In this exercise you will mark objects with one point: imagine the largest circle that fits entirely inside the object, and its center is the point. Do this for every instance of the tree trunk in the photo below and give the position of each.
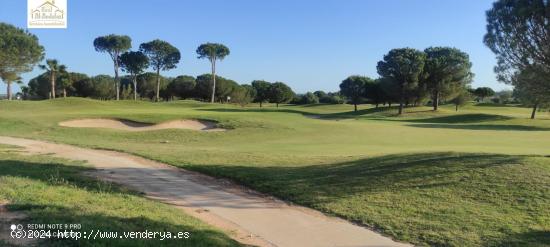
(135, 87)
(8, 90)
(260, 104)
(355, 107)
(436, 100)
(456, 109)
(213, 61)
(389, 105)
(376, 105)
(64, 93)
(401, 99)
(158, 85)
(534, 111)
(117, 86)
(277, 105)
(52, 79)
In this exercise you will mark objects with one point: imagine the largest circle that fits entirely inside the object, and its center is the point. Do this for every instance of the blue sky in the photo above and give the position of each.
(309, 45)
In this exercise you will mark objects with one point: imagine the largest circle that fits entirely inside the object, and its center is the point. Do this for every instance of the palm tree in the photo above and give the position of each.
(65, 80)
(213, 52)
(9, 78)
(53, 67)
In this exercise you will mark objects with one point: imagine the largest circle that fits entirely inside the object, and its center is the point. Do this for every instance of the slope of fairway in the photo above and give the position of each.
(50, 190)
(476, 177)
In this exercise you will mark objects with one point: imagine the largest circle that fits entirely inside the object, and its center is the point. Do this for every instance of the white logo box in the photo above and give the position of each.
(46, 13)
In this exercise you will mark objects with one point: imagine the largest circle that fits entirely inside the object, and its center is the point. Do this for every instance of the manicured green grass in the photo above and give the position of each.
(468, 178)
(53, 191)
(438, 199)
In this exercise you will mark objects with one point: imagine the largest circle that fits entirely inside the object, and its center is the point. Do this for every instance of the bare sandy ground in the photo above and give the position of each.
(248, 216)
(128, 125)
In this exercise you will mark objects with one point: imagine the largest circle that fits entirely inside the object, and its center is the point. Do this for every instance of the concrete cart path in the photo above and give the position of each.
(255, 218)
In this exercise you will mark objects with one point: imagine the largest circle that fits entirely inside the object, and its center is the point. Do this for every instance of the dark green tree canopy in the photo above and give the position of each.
(98, 87)
(518, 33)
(531, 88)
(320, 94)
(375, 93)
(262, 90)
(162, 55)
(483, 92)
(446, 72)
(53, 66)
(224, 87)
(404, 66)
(113, 44)
(243, 94)
(182, 86)
(279, 93)
(19, 50)
(133, 62)
(354, 88)
(307, 98)
(147, 84)
(39, 86)
(445, 68)
(461, 98)
(212, 51)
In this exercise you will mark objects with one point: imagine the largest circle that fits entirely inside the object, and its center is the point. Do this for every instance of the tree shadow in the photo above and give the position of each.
(404, 188)
(501, 127)
(462, 118)
(58, 174)
(93, 221)
(327, 116)
(264, 109)
(493, 105)
(333, 181)
(533, 238)
(114, 217)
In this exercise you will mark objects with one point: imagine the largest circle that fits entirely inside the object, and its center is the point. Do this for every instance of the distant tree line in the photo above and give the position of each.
(408, 77)
(144, 86)
(412, 77)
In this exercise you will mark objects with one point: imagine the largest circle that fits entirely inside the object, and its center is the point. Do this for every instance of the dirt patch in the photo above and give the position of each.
(121, 124)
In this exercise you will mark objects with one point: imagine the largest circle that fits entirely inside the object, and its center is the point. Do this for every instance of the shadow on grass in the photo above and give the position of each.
(329, 116)
(494, 105)
(462, 118)
(333, 181)
(503, 127)
(57, 174)
(389, 192)
(536, 238)
(96, 216)
(468, 121)
(103, 224)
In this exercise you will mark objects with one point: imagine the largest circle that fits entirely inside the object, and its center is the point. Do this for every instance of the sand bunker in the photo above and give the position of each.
(121, 124)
